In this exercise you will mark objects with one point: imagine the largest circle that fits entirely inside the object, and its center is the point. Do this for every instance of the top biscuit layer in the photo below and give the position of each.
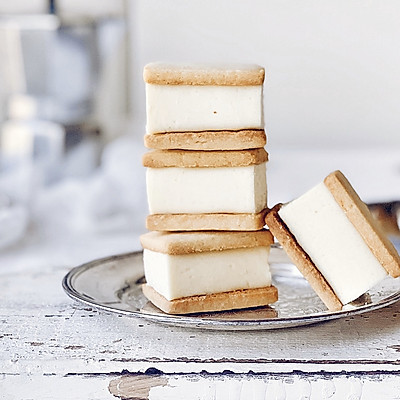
(198, 242)
(204, 75)
(361, 218)
(204, 159)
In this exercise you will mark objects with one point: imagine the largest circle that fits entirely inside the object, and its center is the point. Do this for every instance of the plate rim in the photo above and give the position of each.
(190, 322)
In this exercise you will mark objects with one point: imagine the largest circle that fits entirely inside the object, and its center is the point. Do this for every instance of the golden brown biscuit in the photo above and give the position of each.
(204, 159)
(213, 302)
(206, 222)
(204, 75)
(198, 242)
(207, 140)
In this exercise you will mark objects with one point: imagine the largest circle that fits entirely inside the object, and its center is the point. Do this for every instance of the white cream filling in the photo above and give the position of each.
(178, 108)
(207, 190)
(176, 276)
(333, 243)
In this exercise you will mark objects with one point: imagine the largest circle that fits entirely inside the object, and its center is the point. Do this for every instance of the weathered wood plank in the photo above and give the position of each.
(54, 387)
(366, 386)
(257, 387)
(43, 331)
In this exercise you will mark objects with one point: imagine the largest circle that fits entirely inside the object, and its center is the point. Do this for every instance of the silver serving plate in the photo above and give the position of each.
(113, 284)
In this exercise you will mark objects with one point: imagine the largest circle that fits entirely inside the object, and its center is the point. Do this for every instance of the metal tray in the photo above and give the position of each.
(114, 283)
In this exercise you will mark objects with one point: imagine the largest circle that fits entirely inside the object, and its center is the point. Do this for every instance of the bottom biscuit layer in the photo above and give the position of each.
(236, 299)
(207, 140)
(206, 222)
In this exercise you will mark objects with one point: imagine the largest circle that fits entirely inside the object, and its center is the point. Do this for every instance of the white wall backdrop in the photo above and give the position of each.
(332, 67)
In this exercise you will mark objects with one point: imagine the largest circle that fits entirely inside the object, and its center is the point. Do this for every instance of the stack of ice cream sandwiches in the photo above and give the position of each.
(206, 187)
(206, 184)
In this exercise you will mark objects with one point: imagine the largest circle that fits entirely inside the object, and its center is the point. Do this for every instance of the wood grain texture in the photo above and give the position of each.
(136, 386)
(44, 332)
(257, 387)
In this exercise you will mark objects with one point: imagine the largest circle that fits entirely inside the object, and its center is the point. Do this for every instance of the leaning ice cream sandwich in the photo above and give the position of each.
(332, 238)
(204, 107)
(206, 190)
(207, 271)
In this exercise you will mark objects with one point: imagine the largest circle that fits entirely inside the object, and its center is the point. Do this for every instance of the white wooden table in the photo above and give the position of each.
(55, 348)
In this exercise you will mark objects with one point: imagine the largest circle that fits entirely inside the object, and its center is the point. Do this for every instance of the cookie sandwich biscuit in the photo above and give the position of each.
(207, 140)
(195, 272)
(199, 190)
(333, 240)
(220, 106)
(206, 222)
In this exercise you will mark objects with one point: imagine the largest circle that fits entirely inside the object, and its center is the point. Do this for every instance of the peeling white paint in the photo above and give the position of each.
(230, 387)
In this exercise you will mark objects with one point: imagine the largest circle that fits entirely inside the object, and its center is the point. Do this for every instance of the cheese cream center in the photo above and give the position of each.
(180, 108)
(176, 276)
(207, 190)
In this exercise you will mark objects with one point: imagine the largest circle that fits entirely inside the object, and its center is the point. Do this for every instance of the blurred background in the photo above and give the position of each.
(72, 104)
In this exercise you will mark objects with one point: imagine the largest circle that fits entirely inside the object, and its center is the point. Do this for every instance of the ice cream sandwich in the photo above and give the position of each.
(207, 271)
(332, 238)
(206, 190)
(204, 107)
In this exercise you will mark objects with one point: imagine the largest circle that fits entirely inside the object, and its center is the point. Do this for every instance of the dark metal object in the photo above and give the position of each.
(387, 215)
